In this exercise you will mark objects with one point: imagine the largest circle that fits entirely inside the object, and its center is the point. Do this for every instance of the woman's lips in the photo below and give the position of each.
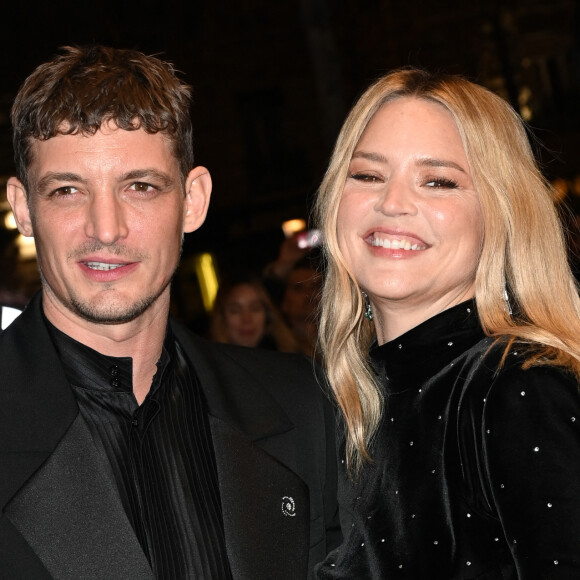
(396, 241)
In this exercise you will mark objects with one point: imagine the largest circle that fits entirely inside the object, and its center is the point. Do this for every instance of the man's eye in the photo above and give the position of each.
(142, 187)
(65, 191)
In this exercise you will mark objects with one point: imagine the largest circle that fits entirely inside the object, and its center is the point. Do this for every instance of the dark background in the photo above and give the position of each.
(273, 81)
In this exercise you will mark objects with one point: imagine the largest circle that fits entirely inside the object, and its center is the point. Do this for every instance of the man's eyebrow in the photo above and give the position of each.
(55, 176)
(137, 174)
(66, 176)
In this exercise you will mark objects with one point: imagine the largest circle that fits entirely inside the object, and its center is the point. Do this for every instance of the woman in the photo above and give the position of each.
(243, 314)
(460, 456)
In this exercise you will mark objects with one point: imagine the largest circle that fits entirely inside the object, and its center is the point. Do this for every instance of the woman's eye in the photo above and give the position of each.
(441, 183)
(365, 177)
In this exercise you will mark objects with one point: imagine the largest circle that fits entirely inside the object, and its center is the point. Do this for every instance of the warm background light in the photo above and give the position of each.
(9, 221)
(26, 247)
(207, 277)
(290, 227)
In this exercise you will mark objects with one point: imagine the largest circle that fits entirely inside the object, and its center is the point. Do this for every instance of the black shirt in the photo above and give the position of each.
(161, 455)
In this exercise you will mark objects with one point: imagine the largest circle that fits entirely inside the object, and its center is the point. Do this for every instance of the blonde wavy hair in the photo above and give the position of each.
(523, 252)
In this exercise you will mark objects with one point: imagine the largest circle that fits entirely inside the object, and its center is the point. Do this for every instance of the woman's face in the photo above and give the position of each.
(409, 221)
(244, 315)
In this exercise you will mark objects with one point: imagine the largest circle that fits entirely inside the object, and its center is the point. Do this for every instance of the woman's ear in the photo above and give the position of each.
(197, 196)
(18, 200)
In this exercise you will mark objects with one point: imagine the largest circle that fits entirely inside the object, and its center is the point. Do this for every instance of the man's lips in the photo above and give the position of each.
(105, 270)
(104, 266)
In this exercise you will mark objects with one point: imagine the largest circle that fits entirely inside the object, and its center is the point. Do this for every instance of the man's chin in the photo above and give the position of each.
(110, 313)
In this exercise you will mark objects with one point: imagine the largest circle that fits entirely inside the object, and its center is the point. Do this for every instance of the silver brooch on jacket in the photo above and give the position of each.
(288, 506)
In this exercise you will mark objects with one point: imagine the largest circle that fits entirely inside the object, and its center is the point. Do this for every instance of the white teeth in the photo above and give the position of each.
(396, 244)
(102, 266)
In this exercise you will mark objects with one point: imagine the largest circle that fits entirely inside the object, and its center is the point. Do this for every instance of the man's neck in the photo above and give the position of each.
(141, 339)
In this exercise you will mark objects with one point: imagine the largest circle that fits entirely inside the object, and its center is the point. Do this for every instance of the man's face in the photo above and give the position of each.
(108, 213)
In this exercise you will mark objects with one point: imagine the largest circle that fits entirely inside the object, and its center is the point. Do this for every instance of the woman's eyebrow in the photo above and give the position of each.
(431, 162)
(371, 156)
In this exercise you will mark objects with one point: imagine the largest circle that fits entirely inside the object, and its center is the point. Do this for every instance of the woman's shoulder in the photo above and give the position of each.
(532, 396)
(504, 396)
(507, 395)
(512, 419)
(515, 380)
(495, 372)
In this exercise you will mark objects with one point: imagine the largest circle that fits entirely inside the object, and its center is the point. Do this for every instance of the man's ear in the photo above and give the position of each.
(18, 200)
(197, 195)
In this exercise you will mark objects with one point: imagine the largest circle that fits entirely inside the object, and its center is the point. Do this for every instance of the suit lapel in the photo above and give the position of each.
(36, 404)
(72, 501)
(265, 508)
(54, 486)
(233, 394)
(265, 504)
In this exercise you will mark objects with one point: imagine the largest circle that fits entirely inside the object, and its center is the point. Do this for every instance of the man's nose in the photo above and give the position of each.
(106, 219)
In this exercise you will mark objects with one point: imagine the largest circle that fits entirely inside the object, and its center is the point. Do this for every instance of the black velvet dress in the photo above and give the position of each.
(476, 473)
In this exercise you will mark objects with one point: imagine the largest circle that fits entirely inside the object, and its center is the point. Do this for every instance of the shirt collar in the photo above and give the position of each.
(90, 369)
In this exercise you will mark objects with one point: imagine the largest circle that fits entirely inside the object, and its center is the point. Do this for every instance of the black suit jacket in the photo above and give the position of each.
(272, 432)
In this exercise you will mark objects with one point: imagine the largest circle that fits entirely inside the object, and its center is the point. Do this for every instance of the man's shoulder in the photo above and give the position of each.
(293, 380)
(266, 362)
(252, 384)
(288, 364)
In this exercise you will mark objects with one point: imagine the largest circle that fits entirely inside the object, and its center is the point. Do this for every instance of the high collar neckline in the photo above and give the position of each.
(428, 347)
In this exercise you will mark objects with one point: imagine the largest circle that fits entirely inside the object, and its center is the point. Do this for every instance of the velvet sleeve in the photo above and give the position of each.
(532, 454)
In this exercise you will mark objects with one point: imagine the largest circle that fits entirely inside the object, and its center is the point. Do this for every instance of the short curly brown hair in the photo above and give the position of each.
(83, 87)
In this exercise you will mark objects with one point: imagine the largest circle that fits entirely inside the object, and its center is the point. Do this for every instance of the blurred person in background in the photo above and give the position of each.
(294, 282)
(244, 314)
(300, 302)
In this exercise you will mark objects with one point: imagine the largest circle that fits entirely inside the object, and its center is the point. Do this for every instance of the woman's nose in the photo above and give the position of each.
(397, 198)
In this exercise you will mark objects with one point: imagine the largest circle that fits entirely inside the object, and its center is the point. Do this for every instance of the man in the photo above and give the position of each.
(130, 448)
